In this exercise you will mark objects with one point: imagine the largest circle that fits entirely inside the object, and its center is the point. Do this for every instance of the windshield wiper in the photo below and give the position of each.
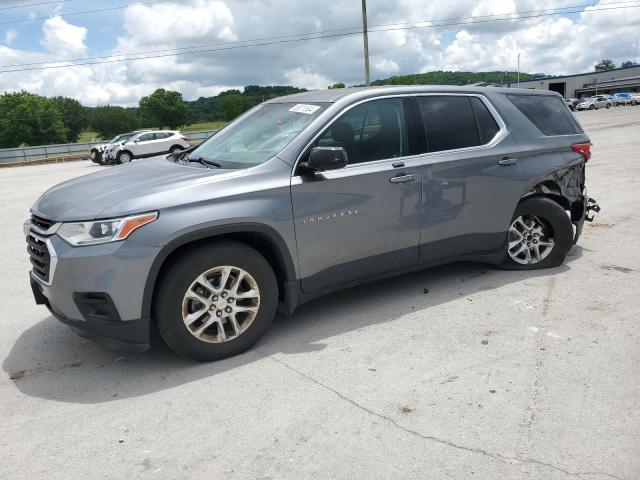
(204, 161)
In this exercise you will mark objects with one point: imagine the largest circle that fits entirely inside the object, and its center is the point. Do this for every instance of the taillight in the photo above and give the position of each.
(184, 138)
(583, 149)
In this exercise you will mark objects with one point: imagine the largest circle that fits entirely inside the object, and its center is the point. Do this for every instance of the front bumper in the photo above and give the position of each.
(131, 336)
(97, 290)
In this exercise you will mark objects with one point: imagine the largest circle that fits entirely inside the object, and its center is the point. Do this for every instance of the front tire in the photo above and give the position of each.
(540, 235)
(608, 106)
(124, 157)
(215, 301)
(592, 107)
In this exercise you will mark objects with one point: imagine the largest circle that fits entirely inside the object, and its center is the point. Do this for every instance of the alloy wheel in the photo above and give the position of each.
(220, 304)
(530, 240)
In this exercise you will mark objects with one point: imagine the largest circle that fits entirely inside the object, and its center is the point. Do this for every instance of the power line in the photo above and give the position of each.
(84, 12)
(352, 30)
(313, 36)
(27, 5)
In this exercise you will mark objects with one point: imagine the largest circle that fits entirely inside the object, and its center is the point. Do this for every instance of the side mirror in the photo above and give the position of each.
(326, 158)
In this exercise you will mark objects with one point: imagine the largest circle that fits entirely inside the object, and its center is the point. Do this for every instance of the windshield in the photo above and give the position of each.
(259, 135)
(121, 138)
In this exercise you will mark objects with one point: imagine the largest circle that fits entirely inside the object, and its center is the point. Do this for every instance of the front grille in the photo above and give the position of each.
(39, 256)
(41, 223)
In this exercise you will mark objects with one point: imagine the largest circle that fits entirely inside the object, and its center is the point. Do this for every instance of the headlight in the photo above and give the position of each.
(103, 231)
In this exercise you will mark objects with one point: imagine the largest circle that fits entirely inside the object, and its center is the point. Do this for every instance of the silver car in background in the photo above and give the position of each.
(595, 102)
(97, 151)
(147, 144)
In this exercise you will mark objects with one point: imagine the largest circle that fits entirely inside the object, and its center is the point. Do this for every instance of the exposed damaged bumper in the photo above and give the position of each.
(589, 208)
(592, 206)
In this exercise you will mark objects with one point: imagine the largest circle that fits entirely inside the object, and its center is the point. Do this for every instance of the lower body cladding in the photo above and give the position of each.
(98, 290)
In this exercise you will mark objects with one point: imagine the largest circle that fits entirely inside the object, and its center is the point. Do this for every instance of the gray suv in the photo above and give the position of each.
(303, 195)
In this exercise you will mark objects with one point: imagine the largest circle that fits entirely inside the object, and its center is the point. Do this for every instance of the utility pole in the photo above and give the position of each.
(365, 34)
(518, 69)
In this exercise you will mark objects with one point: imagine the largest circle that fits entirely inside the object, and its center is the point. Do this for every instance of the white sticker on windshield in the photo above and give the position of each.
(304, 108)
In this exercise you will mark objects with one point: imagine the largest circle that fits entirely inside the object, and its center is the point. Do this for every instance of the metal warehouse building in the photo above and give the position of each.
(588, 84)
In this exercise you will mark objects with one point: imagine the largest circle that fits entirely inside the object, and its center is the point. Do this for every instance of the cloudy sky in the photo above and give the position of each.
(434, 40)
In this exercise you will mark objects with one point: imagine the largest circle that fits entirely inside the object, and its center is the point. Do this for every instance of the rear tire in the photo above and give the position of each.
(192, 284)
(592, 107)
(608, 106)
(542, 227)
(175, 149)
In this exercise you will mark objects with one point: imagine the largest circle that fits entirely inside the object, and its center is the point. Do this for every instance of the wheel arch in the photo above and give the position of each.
(262, 238)
(551, 189)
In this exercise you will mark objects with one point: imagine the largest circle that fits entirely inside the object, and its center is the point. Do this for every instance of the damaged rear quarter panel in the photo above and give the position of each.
(565, 182)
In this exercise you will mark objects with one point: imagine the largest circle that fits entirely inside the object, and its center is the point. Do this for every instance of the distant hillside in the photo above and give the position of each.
(207, 109)
(454, 78)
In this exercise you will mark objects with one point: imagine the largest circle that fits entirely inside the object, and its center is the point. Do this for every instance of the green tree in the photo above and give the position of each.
(232, 105)
(74, 116)
(164, 108)
(29, 119)
(605, 64)
(110, 121)
(337, 85)
(628, 64)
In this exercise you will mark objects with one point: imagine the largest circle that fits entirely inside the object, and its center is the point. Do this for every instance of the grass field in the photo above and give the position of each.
(196, 127)
(88, 136)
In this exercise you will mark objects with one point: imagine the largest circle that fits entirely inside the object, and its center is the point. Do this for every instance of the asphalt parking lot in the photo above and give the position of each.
(457, 372)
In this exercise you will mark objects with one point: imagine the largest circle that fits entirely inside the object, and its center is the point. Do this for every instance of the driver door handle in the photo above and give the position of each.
(401, 179)
(508, 161)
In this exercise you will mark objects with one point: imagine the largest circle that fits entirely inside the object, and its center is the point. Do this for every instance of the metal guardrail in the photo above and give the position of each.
(75, 150)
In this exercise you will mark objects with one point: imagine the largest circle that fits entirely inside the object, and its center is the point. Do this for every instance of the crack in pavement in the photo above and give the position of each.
(448, 443)
(540, 350)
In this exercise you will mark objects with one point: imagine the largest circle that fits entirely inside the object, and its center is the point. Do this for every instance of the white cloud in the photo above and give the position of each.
(304, 78)
(62, 38)
(9, 36)
(385, 66)
(195, 21)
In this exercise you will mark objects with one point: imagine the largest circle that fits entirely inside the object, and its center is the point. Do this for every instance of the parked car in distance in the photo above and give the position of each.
(636, 98)
(146, 144)
(303, 195)
(623, 99)
(595, 102)
(97, 151)
(571, 103)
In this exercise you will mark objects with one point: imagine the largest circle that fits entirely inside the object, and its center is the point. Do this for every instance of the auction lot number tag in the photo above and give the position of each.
(304, 108)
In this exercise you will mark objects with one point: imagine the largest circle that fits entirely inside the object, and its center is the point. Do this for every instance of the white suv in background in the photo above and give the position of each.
(147, 144)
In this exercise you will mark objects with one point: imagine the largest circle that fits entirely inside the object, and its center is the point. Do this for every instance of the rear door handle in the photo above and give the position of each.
(401, 179)
(508, 161)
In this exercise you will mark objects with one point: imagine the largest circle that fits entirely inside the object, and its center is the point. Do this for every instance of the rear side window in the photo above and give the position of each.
(548, 113)
(486, 123)
(449, 122)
